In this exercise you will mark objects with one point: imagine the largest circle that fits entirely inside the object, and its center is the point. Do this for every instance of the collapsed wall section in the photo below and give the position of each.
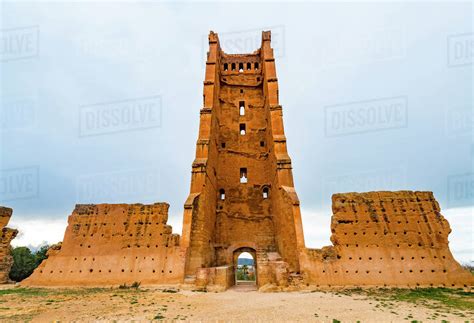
(113, 244)
(6, 259)
(386, 239)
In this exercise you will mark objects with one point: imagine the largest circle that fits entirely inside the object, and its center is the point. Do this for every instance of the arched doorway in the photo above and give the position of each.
(245, 266)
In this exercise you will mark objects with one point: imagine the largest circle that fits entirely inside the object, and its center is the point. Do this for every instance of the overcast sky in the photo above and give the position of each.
(100, 103)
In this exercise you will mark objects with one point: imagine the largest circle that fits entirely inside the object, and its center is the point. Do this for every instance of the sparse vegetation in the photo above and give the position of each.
(25, 291)
(447, 300)
(134, 285)
(469, 267)
(432, 304)
(436, 297)
(159, 317)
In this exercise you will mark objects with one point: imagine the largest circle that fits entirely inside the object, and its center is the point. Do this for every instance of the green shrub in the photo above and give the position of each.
(25, 262)
(135, 285)
(40, 255)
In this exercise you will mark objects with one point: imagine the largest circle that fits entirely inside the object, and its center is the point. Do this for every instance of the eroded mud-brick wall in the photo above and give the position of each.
(386, 239)
(6, 259)
(111, 244)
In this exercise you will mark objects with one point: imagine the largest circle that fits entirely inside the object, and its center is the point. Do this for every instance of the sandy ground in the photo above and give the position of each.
(233, 305)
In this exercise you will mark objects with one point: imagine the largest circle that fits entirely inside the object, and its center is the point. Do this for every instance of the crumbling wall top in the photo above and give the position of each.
(95, 209)
(266, 35)
(5, 214)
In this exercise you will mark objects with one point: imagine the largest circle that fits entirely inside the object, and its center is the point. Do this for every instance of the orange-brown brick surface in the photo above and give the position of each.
(113, 244)
(386, 239)
(6, 259)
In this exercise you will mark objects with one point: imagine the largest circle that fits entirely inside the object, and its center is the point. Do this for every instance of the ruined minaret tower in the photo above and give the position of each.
(242, 193)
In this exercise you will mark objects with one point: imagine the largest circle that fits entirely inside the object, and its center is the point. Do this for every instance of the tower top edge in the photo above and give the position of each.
(214, 39)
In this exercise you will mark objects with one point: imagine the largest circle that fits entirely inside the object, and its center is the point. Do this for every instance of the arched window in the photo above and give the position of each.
(256, 66)
(226, 66)
(243, 175)
(242, 108)
(233, 66)
(242, 129)
(222, 194)
(241, 67)
(249, 66)
(266, 192)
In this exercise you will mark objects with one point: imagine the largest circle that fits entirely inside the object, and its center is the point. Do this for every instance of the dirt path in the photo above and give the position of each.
(40, 305)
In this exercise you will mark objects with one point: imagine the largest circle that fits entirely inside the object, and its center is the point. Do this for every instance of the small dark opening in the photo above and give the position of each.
(242, 129)
(226, 66)
(223, 144)
(262, 143)
(256, 66)
(242, 108)
(241, 67)
(222, 194)
(266, 192)
(243, 175)
(249, 66)
(233, 66)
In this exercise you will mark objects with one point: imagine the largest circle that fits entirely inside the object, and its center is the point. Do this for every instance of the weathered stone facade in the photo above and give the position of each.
(6, 259)
(111, 244)
(242, 199)
(386, 239)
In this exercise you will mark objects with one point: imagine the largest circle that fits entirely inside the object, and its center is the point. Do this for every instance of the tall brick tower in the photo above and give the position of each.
(242, 196)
